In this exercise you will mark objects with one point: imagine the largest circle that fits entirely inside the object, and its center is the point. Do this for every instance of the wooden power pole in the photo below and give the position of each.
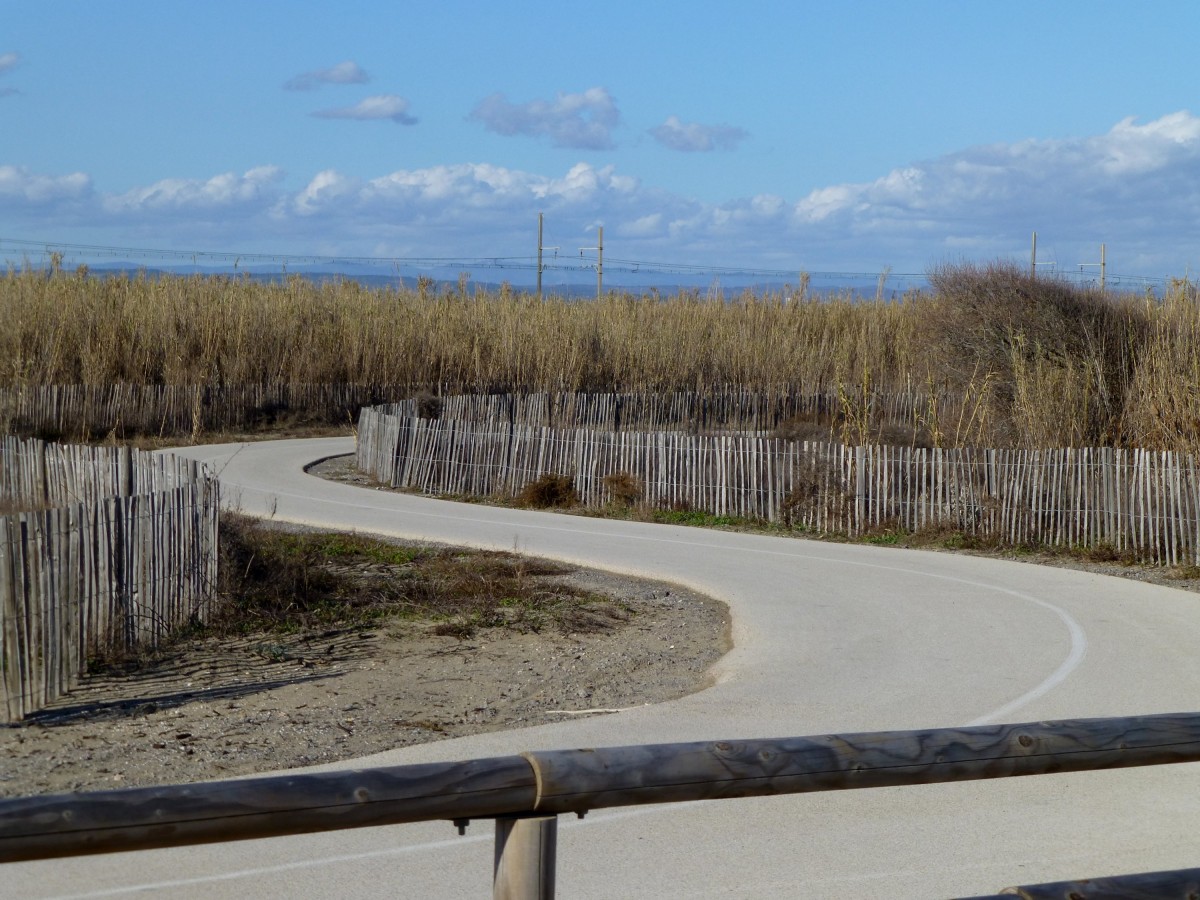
(540, 265)
(599, 248)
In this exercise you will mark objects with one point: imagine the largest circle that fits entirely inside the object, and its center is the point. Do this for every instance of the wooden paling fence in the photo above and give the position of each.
(1146, 503)
(116, 549)
(75, 409)
(719, 408)
(525, 794)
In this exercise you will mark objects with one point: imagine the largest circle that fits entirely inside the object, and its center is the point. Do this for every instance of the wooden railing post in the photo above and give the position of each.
(525, 851)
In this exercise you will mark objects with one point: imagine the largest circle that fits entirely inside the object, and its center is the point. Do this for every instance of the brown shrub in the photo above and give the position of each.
(550, 490)
(817, 488)
(1058, 358)
(806, 427)
(429, 406)
(623, 488)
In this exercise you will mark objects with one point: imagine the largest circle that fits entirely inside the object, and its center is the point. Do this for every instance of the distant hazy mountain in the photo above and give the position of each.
(580, 285)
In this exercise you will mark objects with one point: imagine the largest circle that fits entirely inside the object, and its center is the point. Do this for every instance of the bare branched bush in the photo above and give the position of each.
(817, 492)
(1058, 358)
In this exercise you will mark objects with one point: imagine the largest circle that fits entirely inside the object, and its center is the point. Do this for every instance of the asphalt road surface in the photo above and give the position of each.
(828, 638)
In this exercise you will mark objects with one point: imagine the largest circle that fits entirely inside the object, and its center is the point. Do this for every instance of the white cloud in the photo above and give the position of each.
(472, 185)
(19, 185)
(1133, 149)
(8, 62)
(222, 193)
(463, 192)
(326, 188)
(643, 227)
(382, 106)
(582, 121)
(1135, 187)
(692, 137)
(347, 72)
(584, 182)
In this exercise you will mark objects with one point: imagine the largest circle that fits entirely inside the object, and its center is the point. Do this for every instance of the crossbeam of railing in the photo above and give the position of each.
(539, 785)
(1180, 884)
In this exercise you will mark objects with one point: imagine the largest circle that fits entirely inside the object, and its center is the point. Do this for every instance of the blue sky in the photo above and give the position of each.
(822, 136)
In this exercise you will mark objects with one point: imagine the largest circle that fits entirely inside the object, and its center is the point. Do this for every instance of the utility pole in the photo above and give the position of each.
(599, 261)
(1033, 263)
(1100, 265)
(540, 267)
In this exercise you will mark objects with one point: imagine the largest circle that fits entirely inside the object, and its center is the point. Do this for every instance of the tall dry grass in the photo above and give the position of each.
(1162, 402)
(81, 330)
(996, 357)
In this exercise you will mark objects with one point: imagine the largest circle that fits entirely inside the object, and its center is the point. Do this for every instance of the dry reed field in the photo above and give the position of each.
(999, 359)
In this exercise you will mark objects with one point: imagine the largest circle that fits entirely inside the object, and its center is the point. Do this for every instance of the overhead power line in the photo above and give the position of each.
(20, 249)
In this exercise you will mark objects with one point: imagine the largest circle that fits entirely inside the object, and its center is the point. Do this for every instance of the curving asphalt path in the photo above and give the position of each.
(828, 638)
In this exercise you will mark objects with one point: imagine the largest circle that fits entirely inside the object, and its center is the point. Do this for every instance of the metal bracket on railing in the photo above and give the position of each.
(461, 825)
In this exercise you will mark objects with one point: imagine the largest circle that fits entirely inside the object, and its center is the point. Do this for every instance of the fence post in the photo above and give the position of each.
(525, 851)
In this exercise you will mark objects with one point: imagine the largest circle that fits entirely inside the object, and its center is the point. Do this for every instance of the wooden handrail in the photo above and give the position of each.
(1179, 884)
(579, 780)
(561, 781)
(177, 815)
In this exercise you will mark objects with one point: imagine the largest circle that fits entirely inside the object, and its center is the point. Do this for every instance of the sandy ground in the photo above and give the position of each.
(209, 709)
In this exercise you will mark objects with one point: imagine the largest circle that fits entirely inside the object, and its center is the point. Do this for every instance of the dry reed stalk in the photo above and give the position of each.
(1000, 359)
